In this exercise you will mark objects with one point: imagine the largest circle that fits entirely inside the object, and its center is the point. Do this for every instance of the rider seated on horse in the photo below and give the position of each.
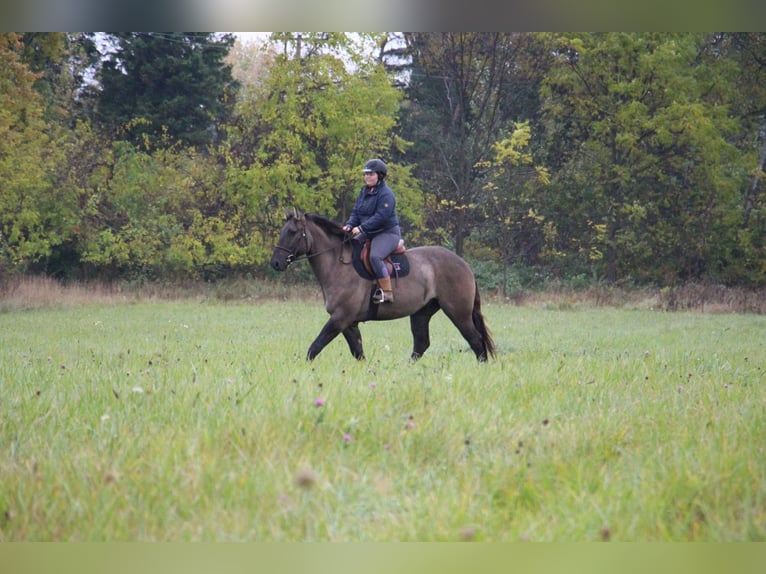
(374, 217)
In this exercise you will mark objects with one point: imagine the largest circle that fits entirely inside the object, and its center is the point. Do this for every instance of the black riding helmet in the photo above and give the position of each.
(377, 166)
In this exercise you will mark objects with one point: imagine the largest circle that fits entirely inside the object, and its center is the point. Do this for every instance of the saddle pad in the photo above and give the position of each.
(399, 265)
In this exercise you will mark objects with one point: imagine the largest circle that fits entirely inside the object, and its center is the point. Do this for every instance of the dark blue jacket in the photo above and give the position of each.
(375, 210)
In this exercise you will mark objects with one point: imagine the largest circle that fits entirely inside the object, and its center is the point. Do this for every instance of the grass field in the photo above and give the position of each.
(189, 421)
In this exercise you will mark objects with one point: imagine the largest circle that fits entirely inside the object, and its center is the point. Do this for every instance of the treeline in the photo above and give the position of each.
(617, 157)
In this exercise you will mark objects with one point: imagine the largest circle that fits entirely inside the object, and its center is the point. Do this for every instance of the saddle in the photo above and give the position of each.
(396, 261)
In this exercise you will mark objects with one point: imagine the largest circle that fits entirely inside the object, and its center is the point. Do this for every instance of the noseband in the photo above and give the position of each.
(290, 255)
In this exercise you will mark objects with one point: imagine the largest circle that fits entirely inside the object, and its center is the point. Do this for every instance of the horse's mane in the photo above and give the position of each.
(329, 227)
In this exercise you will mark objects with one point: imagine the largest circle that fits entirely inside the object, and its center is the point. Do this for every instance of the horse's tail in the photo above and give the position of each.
(481, 327)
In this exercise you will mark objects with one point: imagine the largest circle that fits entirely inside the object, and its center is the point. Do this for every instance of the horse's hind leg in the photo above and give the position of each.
(464, 322)
(419, 324)
(474, 338)
(354, 339)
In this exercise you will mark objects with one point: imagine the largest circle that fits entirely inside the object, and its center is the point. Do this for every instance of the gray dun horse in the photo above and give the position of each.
(437, 279)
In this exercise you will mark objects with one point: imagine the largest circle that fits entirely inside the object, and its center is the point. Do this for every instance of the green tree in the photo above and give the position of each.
(34, 216)
(61, 62)
(321, 111)
(160, 84)
(746, 52)
(465, 91)
(161, 213)
(640, 151)
(513, 227)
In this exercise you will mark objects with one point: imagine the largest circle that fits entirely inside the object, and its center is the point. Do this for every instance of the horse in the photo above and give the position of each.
(438, 279)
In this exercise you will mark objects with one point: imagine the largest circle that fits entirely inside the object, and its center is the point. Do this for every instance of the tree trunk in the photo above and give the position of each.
(752, 191)
(459, 240)
(611, 249)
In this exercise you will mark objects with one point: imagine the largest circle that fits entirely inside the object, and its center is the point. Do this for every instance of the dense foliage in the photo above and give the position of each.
(623, 157)
(172, 84)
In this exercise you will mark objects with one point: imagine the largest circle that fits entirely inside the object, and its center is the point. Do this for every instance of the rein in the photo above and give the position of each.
(291, 257)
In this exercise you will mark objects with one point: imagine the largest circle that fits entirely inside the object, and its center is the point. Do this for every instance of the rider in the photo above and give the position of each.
(374, 217)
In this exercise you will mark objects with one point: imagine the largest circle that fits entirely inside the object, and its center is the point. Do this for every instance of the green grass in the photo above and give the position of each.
(183, 421)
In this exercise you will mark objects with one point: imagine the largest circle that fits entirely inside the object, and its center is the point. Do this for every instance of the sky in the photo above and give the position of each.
(251, 37)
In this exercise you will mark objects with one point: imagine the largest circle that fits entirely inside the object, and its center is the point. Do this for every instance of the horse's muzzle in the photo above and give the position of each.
(278, 263)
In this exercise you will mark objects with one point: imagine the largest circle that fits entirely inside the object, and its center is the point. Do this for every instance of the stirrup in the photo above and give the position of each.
(380, 296)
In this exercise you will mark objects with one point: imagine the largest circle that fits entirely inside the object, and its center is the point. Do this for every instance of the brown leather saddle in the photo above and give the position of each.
(396, 261)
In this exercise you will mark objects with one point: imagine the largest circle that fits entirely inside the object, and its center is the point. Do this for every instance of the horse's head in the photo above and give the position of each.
(293, 240)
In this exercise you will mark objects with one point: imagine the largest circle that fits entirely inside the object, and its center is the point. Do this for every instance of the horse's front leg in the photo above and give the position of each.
(327, 334)
(354, 339)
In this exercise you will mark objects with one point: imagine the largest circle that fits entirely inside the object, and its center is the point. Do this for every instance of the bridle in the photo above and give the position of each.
(293, 258)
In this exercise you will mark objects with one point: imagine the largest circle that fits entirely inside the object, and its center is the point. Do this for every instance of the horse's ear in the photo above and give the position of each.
(293, 213)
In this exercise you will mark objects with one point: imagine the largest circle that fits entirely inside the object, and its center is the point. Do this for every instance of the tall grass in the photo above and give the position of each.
(198, 420)
(36, 292)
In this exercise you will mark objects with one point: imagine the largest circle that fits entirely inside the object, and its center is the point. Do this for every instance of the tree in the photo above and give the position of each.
(643, 155)
(162, 213)
(306, 132)
(166, 86)
(513, 227)
(61, 62)
(33, 215)
(745, 54)
(464, 93)
(249, 67)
